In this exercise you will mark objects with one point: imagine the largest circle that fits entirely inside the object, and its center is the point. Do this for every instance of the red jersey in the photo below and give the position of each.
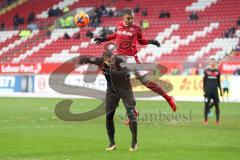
(126, 39)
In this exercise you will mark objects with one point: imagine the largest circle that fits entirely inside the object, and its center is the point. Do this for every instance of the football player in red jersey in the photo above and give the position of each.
(126, 36)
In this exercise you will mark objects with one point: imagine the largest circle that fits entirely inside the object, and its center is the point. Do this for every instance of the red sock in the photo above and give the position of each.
(156, 88)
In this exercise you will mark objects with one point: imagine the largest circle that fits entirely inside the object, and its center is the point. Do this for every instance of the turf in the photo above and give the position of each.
(29, 129)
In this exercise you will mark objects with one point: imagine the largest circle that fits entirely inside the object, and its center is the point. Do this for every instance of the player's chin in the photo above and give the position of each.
(129, 24)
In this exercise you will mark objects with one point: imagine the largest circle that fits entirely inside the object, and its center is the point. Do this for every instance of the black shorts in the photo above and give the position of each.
(113, 98)
(212, 96)
(225, 90)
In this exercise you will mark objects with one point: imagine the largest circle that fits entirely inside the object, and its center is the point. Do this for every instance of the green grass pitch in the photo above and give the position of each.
(30, 130)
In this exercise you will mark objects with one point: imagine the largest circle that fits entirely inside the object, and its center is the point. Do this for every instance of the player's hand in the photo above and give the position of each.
(83, 60)
(154, 42)
(99, 40)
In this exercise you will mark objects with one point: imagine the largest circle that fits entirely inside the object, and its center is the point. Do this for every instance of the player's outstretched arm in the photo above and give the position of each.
(90, 60)
(143, 41)
(99, 40)
(84, 60)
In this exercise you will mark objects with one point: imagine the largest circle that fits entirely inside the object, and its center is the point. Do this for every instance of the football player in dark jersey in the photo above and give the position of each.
(211, 84)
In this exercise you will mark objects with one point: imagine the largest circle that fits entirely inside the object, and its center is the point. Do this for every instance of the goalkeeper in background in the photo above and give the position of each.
(211, 84)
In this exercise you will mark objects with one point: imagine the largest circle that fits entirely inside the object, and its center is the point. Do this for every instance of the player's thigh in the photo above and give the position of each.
(112, 101)
(126, 94)
(215, 98)
(129, 100)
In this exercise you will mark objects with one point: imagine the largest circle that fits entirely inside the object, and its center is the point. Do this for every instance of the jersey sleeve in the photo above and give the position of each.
(111, 37)
(114, 35)
(90, 60)
(140, 38)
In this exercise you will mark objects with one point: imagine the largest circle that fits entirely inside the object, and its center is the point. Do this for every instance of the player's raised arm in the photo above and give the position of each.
(143, 41)
(90, 60)
(109, 38)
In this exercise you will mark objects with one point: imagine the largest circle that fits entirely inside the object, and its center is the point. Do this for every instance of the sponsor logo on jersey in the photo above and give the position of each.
(212, 74)
(124, 33)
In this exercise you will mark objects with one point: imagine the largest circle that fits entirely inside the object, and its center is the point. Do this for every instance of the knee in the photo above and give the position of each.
(130, 102)
(109, 117)
(131, 112)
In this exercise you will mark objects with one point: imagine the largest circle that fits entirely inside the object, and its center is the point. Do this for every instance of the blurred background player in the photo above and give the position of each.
(225, 86)
(118, 87)
(126, 36)
(211, 84)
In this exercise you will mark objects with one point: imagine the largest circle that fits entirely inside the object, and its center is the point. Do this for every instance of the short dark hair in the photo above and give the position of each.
(128, 11)
(107, 54)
